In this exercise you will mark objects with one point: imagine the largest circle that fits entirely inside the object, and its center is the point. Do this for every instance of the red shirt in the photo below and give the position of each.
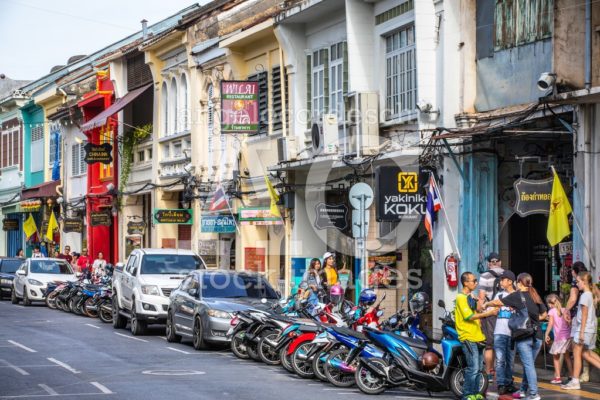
(69, 257)
(82, 262)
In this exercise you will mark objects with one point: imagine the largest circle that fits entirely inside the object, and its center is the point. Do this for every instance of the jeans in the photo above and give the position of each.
(505, 357)
(474, 357)
(528, 350)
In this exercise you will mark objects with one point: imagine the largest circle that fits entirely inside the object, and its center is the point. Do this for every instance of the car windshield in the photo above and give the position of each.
(10, 266)
(232, 286)
(170, 264)
(50, 267)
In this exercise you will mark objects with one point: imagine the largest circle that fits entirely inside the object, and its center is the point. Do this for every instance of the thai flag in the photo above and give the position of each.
(433, 206)
(219, 201)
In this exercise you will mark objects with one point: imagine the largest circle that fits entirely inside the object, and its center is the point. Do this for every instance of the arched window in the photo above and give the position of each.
(173, 128)
(211, 122)
(165, 109)
(184, 105)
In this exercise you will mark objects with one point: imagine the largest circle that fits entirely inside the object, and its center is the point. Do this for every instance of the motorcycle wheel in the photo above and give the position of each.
(252, 350)
(105, 315)
(51, 300)
(302, 366)
(89, 302)
(457, 381)
(336, 376)
(368, 382)
(286, 361)
(72, 304)
(318, 366)
(266, 352)
(238, 347)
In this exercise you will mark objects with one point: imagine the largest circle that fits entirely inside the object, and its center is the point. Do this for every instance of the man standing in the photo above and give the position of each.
(67, 254)
(83, 261)
(489, 285)
(37, 253)
(470, 334)
(505, 354)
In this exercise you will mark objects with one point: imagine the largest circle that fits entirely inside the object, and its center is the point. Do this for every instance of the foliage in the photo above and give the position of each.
(130, 140)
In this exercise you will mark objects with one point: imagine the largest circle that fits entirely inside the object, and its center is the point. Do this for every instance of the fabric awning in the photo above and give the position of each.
(100, 119)
(47, 189)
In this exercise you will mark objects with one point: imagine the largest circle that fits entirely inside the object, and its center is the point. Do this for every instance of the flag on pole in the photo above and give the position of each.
(219, 201)
(29, 227)
(52, 225)
(433, 206)
(274, 198)
(558, 220)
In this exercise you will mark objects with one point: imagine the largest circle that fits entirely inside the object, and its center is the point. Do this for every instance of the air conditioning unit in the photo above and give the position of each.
(287, 148)
(362, 123)
(324, 135)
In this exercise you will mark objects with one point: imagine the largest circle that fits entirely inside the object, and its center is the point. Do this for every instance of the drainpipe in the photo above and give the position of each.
(588, 44)
(144, 29)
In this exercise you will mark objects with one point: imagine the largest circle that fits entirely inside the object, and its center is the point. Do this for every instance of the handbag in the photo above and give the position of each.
(521, 326)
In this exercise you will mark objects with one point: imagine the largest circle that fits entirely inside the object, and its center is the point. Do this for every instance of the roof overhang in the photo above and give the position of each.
(583, 96)
(46, 189)
(247, 37)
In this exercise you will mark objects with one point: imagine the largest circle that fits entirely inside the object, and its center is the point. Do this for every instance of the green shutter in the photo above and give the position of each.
(345, 68)
(309, 89)
(325, 58)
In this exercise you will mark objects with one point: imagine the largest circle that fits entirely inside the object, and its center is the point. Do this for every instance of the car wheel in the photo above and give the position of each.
(172, 337)
(197, 339)
(13, 296)
(137, 327)
(26, 301)
(119, 321)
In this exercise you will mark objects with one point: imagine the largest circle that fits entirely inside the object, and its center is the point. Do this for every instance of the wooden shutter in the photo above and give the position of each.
(277, 105)
(325, 58)
(138, 72)
(309, 90)
(263, 101)
(184, 235)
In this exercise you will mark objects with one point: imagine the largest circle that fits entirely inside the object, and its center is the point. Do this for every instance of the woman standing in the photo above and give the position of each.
(20, 253)
(526, 297)
(98, 265)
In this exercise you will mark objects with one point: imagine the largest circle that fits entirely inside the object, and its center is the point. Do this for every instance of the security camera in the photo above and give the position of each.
(546, 81)
(189, 167)
(425, 107)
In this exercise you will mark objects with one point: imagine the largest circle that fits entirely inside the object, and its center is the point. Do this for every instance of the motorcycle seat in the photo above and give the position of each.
(349, 332)
(416, 343)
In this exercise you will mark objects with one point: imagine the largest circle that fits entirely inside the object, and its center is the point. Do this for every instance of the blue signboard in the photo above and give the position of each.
(217, 224)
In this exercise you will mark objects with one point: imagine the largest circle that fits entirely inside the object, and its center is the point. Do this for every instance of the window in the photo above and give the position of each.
(149, 154)
(177, 149)
(138, 72)
(519, 22)
(319, 81)
(78, 165)
(11, 148)
(400, 73)
(55, 146)
(165, 109)
(263, 101)
(184, 106)
(221, 285)
(141, 156)
(37, 148)
(336, 79)
(106, 136)
(277, 106)
(173, 108)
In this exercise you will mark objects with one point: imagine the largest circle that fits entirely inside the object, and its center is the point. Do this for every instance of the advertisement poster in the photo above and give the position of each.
(239, 107)
(381, 271)
(254, 259)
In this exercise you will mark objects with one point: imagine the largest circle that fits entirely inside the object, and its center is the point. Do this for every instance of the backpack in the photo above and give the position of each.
(496, 287)
(521, 326)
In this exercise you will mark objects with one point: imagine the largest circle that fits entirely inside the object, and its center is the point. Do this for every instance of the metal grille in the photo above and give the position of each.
(37, 133)
(166, 291)
(263, 100)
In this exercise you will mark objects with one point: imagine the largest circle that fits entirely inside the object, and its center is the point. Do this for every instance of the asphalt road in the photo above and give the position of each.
(49, 353)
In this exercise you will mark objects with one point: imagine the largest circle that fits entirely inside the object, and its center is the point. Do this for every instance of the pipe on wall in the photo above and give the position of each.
(588, 44)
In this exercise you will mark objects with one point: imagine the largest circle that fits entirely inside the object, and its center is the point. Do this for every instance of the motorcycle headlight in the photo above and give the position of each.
(219, 314)
(151, 290)
(34, 282)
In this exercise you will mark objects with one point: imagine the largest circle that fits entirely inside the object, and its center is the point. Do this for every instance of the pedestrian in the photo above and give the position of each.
(329, 270)
(37, 252)
(584, 329)
(526, 297)
(83, 261)
(561, 329)
(489, 285)
(66, 255)
(74, 261)
(313, 271)
(470, 335)
(505, 353)
(20, 253)
(99, 265)
(571, 309)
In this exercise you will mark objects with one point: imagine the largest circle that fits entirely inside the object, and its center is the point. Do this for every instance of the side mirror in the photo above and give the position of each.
(193, 292)
(119, 266)
(278, 294)
(21, 272)
(441, 303)
(134, 271)
(78, 274)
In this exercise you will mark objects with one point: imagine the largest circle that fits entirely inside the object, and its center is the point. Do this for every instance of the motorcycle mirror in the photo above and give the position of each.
(380, 313)
(403, 299)
(441, 303)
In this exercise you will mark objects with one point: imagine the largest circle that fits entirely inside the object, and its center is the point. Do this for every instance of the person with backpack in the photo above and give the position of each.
(503, 348)
(489, 285)
(524, 325)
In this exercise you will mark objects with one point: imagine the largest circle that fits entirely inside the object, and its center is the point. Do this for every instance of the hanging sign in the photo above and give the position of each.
(400, 194)
(533, 196)
(95, 153)
(239, 107)
(173, 216)
(100, 218)
(136, 227)
(73, 225)
(10, 224)
(258, 216)
(217, 224)
(331, 216)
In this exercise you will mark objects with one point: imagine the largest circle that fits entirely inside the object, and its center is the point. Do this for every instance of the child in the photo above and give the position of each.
(562, 332)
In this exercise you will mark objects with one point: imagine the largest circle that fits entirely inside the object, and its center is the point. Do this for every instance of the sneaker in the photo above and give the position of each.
(502, 390)
(556, 381)
(573, 385)
(511, 388)
(534, 397)
(519, 394)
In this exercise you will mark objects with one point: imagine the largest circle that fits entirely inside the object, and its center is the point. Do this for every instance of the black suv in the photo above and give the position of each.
(8, 267)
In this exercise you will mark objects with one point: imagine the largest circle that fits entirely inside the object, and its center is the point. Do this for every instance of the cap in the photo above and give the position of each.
(327, 255)
(493, 256)
(508, 275)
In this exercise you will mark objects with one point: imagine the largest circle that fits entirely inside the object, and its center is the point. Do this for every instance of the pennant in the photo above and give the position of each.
(219, 201)
(274, 198)
(433, 206)
(558, 220)
(52, 225)
(29, 227)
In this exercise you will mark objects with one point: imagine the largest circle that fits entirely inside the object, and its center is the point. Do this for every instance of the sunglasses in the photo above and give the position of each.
(472, 281)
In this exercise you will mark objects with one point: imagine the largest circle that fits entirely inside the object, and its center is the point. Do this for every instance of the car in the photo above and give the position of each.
(32, 278)
(202, 307)
(8, 267)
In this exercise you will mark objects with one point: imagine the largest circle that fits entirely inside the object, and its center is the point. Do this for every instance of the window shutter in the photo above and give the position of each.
(75, 159)
(277, 106)
(325, 58)
(263, 100)
(309, 88)
(4, 150)
(82, 164)
(138, 72)
(345, 68)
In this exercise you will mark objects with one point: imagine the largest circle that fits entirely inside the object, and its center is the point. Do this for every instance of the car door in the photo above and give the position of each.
(177, 304)
(189, 300)
(20, 280)
(129, 280)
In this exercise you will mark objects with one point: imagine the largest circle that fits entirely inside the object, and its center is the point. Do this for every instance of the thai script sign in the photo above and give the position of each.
(174, 216)
(100, 218)
(533, 196)
(217, 224)
(136, 227)
(10, 224)
(239, 107)
(73, 225)
(258, 216)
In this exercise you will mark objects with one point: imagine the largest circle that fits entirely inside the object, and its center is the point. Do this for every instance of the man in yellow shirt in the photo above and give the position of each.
(470, 335)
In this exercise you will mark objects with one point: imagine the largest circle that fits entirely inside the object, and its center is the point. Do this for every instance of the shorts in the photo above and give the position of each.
(589, 340)
(560, 346)
(488, 325)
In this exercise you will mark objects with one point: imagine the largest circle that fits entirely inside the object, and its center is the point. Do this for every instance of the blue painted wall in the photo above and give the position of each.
(32, 114)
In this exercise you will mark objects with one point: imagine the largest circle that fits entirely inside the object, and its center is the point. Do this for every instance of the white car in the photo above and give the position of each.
(32, 278)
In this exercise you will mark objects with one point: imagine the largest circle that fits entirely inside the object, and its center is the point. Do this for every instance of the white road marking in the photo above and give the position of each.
(102, 388)
(179, 351)
(130, 337)
(29, 349)
(29, 396)
(162, 337)
(19, 370)
(93, 326)
(48, 389)
(64, 365)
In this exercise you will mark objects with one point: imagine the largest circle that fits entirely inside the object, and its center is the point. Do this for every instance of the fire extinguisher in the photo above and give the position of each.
(451, 266)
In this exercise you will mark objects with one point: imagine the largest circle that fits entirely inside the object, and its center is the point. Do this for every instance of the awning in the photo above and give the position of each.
(100, 119)
(47, 189)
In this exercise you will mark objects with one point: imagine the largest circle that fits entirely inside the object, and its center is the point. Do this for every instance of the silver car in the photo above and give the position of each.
(201, 307)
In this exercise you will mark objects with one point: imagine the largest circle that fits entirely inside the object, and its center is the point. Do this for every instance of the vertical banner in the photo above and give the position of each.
(239, 107)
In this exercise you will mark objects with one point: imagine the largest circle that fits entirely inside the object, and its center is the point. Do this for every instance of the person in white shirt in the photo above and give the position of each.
(98, 265)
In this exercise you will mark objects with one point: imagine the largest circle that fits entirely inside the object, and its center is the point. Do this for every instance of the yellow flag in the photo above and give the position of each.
(29, 226)
(52, 225)
(558, 220)
(274, 198)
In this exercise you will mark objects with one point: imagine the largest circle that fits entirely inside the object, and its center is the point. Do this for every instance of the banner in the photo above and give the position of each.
(239, 107)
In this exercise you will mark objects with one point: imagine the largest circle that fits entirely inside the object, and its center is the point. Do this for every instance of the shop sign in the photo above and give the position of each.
(565, 248)
(10, 224)
(533, 196)
(173, 216)
(217, 224)
(239, 107)
(254, 259)
(400, 194)
(73, 225)
(95, 153)
(331, 216)
(100, 218)
(136, 227)
(258, 216)
(31, 205)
